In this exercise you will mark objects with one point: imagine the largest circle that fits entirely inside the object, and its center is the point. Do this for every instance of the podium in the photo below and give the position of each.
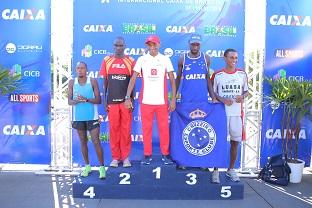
(156, 181)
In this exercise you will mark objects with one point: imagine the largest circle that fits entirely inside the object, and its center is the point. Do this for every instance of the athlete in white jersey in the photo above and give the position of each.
(154, 68)
(231, 87)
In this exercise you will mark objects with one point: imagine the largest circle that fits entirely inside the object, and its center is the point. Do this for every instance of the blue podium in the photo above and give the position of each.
(157, 181)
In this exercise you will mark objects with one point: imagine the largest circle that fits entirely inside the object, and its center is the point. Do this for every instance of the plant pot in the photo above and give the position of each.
(296, 171)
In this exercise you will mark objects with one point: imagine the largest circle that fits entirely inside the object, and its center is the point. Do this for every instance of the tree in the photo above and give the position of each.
(8, 82)
(296, 100)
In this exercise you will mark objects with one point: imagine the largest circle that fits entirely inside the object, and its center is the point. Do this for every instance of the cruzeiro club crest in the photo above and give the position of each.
(199, 138)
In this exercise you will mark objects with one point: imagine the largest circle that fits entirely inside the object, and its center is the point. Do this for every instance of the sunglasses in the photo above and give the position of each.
(118, 45)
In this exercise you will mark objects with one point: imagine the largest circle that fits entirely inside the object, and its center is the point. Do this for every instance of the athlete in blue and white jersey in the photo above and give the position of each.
(84, 95)
(193, 69)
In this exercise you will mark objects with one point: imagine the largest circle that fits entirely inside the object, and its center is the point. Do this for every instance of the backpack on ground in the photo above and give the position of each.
(276, 171)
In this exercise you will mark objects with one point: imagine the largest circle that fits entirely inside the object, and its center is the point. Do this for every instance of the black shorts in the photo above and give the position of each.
(85, 125)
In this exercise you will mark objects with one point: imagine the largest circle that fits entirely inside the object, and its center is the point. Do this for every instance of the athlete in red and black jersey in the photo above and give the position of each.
(117, 70)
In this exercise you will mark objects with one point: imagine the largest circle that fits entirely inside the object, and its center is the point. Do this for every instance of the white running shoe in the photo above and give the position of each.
(215, 176)
(232, 175)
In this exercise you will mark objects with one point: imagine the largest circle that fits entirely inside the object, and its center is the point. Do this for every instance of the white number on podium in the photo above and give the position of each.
(89, 192)
(125, 178)
(157, 171)
(226, 191)
(192, 179)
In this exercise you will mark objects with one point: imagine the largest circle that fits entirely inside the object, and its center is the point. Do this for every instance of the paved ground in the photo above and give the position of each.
(27, 190)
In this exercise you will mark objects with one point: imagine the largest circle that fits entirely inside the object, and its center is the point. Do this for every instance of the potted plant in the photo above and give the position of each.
(8, 82)
(295, 98)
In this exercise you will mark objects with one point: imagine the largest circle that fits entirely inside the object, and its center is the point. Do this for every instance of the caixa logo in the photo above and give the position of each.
(277, 134)
(135, 51)
(93, 74)
(23, 14)
(98, 28)
(215, 53)
(180, 29)
(291, 20)
(19, 130)
(137, 137)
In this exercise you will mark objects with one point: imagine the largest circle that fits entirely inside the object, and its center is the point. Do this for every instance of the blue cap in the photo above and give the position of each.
(195, 38)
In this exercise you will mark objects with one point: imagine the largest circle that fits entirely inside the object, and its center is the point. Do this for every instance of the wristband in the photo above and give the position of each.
(127, 97)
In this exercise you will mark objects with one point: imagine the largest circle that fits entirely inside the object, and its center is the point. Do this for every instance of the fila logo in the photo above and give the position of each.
(119, 66)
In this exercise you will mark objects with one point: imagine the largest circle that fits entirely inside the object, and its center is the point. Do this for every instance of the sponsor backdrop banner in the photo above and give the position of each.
(97, 23)
(25, 50)
(288, 55)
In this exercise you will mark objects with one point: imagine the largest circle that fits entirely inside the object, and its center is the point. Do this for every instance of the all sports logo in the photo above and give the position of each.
(24, 98)
(289, 53)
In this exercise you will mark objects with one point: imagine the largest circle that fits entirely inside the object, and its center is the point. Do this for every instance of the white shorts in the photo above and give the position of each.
(235, 128)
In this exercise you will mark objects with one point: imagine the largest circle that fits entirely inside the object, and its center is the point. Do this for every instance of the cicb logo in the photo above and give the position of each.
(291, 20)
(88, 51)
(31, 73)
(31, 130)
(180, 29)
(23, 14)
(98, 28)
